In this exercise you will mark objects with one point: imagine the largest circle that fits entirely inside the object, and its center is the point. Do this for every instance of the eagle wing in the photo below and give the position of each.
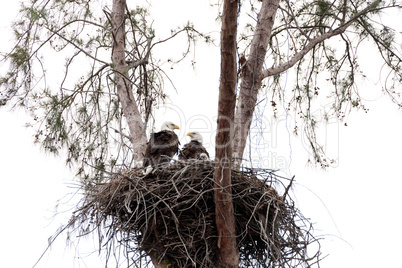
(161, 144)
(192, 150)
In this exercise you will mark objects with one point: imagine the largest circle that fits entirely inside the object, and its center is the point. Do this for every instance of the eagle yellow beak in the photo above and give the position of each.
(190, 134)
(176, 127)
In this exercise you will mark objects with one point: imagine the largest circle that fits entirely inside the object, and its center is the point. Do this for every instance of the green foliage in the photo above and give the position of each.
(19, 57)
(74, 104)
(78, 112)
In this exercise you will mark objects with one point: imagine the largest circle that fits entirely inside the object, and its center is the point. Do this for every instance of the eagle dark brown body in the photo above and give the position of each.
(192, 150)
(161, 146)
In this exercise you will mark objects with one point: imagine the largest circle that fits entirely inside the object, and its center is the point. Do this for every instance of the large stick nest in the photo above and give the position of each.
(169, 214)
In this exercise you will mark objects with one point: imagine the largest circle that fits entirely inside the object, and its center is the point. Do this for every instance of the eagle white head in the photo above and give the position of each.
(195, 136)
(203, 156)
(169, 126)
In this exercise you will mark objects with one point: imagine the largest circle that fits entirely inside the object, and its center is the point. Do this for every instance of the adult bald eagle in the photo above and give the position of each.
(162, 145)
(194, 149)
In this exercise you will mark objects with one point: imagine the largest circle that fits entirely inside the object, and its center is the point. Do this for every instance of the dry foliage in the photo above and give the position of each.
(170, 213)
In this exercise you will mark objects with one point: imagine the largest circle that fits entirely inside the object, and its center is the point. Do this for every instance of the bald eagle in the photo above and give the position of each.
(162, 145)
(194, 149)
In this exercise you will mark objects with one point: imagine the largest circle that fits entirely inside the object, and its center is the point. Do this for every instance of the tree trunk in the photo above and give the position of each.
(124, 86)
(126, 96)
(251, 77)
(225, 220)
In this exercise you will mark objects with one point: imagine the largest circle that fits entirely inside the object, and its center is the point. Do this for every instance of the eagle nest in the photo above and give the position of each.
(170, 214)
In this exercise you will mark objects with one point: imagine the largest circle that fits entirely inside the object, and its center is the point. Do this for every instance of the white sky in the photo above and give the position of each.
(354, 205)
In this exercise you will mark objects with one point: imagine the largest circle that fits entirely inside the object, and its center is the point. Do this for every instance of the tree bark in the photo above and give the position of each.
(124, 86)
(251, 77)
(225, 220)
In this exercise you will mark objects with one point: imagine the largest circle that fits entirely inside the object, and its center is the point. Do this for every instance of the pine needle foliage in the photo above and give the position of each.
(313, 65)
(61, 72)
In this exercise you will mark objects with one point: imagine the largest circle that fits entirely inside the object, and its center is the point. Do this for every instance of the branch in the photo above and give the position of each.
(70, 42)
(313, 42)
(122, 134)
(380, 43)
(287, 188)
(250, 82)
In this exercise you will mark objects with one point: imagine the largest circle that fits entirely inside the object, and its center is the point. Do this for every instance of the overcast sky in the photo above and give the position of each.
(355, 204)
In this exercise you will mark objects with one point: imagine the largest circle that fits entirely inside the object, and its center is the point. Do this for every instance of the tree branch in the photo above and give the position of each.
(124, 85)
(312, 43)
(57, 32)
(251, 77)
